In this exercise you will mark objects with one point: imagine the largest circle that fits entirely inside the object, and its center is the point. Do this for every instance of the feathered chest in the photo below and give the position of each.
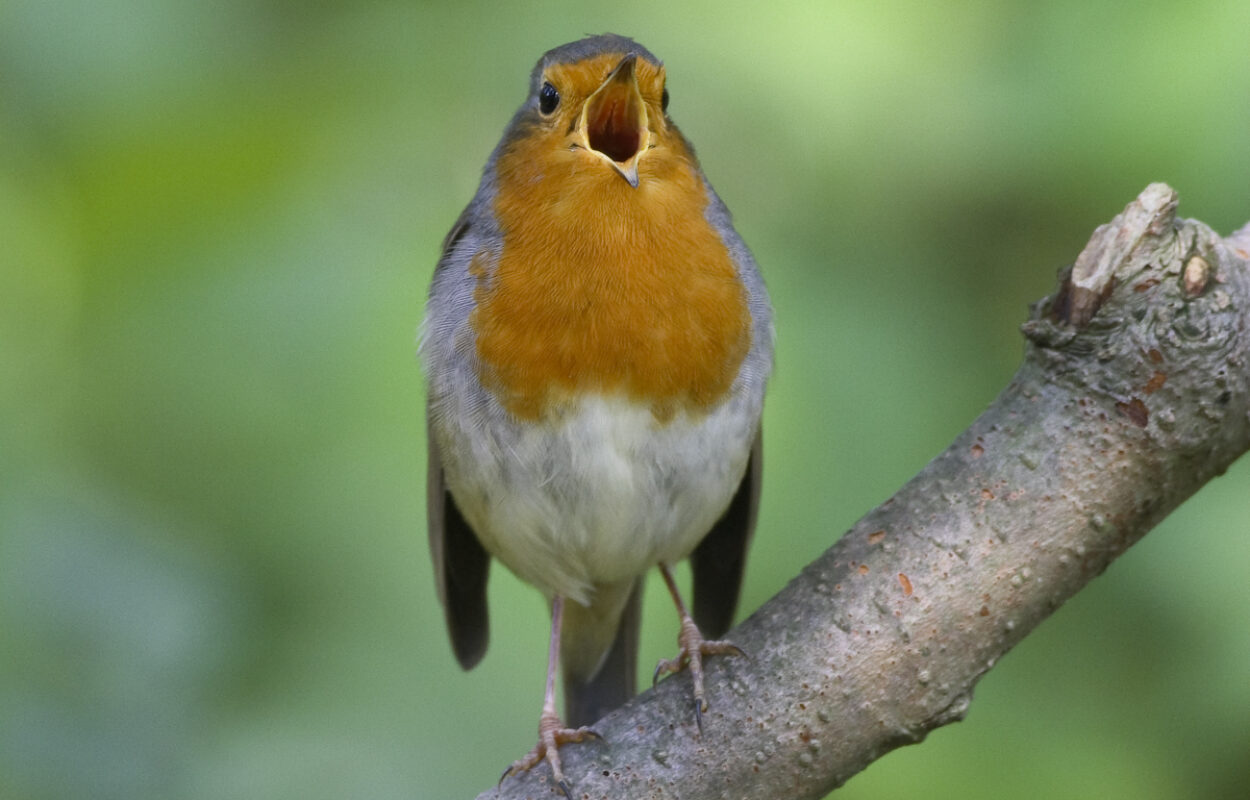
(600, 287)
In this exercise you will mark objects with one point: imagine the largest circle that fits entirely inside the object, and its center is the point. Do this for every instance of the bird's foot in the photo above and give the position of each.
(692, 648)
(551, 734)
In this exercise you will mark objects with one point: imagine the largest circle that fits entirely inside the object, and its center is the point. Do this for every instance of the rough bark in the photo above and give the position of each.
(1134, 392)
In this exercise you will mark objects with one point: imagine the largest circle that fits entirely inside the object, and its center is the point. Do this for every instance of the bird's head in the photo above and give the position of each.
(599, 106)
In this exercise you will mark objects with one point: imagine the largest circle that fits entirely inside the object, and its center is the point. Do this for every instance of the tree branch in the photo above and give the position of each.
(1134, 392)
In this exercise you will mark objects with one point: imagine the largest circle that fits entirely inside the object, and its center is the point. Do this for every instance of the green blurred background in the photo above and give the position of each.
(217, 225)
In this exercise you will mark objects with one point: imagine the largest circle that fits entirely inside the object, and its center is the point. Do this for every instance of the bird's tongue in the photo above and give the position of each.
(614, 121)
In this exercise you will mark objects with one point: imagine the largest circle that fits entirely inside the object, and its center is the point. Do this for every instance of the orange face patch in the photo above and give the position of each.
(602, 287)
(578, 81)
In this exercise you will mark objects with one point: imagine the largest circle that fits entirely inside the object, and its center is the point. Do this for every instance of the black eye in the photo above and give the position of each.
(548, 98)
(664, 100)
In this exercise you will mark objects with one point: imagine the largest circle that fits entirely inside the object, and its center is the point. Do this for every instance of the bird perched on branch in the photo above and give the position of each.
(596, 343)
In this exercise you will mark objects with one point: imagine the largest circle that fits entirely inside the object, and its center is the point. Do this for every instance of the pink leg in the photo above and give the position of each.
(692, 648)
(551, 730)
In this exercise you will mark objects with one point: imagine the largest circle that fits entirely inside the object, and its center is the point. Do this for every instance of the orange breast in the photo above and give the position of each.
(601, 287)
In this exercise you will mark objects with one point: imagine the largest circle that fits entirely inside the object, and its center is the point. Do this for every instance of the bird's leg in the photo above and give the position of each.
(551, 730)
(692, 648)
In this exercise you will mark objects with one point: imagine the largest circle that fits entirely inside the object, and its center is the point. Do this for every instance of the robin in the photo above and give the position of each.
(596, 343)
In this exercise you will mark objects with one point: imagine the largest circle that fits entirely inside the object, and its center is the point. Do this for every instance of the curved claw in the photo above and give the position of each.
(699, 707)
(564, 787)
(673, 665)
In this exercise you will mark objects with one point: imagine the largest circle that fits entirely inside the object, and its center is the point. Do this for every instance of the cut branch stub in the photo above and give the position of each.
(1115, 251)
(1156, 323)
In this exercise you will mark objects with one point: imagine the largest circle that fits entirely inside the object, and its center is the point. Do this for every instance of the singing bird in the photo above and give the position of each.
(596, 344)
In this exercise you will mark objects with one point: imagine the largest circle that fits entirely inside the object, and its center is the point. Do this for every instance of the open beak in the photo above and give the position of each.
(614, 121)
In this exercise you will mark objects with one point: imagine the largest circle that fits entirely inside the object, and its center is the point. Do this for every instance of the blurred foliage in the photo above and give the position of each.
(218, 221)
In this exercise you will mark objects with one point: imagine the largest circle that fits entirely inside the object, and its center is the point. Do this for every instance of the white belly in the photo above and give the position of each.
(601, 495)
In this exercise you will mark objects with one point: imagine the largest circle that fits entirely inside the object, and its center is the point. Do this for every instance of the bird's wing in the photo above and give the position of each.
(461, 566)
(720, 559)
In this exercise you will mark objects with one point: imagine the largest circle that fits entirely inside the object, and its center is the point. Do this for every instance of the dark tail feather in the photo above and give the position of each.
(616, 680)
(718, 562)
